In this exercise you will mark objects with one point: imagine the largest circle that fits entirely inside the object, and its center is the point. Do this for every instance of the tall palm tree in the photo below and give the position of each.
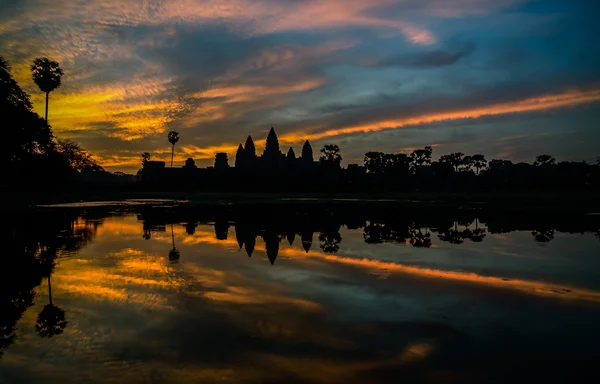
(47, 75)
(173, 139)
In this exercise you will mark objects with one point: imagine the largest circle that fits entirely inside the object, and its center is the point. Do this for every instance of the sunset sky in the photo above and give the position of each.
(506, 78)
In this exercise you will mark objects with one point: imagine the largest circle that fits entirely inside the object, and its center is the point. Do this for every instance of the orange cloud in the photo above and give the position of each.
(533, 104)
(526, 286)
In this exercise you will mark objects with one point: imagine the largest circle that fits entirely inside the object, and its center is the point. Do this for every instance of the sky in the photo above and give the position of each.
(509, 79)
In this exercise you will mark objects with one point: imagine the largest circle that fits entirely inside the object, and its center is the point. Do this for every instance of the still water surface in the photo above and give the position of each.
(293, 294)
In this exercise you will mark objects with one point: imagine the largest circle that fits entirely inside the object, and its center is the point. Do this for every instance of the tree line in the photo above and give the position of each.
(32, 154)
(275, 171)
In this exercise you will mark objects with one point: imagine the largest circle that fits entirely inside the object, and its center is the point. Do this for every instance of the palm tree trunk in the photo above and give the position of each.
(172, 152)
(49, 290)
(47, 94)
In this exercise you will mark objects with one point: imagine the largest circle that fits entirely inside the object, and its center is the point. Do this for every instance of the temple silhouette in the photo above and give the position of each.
(276, 171)
(251, 171)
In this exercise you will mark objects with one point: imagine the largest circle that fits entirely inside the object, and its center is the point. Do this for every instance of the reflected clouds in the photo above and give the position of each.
(370, 307)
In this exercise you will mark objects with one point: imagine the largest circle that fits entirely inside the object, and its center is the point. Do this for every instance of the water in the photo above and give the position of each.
(343, 293)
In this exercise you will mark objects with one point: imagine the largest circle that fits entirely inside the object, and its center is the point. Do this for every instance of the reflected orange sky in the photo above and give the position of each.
(318, 317)
(205, 235)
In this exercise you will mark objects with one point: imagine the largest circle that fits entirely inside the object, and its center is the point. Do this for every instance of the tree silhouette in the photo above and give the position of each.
(330, 241)
(76, 158)
(331, 155)
(479, 162)
(47, 75)
(173, 138)
(418, 239)
(542, 160)
(26, 135)
(146, 158)
(421, 157)
(477, 234)
(51, 320)
(374, 163)
(455, 159)
(454, 236)
(467, 163)
(543, 235)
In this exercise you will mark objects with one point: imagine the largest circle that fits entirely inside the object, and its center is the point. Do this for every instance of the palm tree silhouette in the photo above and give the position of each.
(173, 253)
(51, 320)
(47, 76)
(173, 139)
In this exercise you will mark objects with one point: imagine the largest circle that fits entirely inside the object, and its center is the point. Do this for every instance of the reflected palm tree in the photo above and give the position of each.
(453, 235)
(477, 234)
(330, 241)
(51, 320)
(173, 253)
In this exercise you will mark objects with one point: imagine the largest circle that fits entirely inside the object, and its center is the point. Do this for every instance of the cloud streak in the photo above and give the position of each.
(217, 71)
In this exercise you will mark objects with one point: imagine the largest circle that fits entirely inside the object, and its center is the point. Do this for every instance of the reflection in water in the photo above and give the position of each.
(388, 294)
(173, 253)
(34, 244)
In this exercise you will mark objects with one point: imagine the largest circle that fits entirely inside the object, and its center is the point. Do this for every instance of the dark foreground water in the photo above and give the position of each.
(298, 293)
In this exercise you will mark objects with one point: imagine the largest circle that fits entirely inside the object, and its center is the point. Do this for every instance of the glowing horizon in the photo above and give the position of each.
(372, 75)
